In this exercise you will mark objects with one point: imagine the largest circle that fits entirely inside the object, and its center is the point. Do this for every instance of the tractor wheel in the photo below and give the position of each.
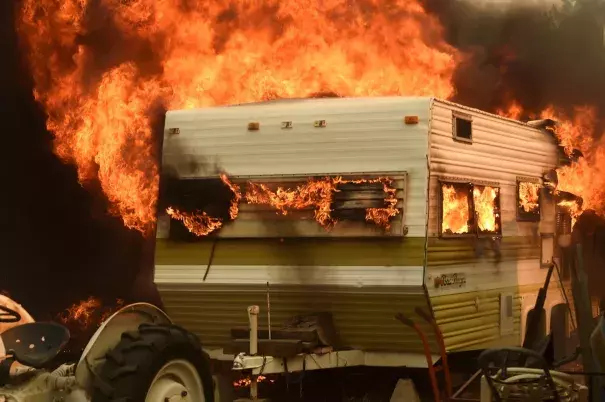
(157, 363)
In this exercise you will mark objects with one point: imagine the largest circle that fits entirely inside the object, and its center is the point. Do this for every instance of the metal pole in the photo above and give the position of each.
(269, 309)
(253, 319)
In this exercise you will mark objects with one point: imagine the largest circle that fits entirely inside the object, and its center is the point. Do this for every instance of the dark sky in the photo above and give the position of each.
(56, 244)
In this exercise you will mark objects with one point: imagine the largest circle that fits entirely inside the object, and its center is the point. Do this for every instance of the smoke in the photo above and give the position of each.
(537, 53)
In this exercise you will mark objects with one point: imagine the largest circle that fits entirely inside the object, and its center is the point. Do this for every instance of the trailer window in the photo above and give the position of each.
(486, 202)
(462, 127)
(469, 209)
(456, 216)
(528, 201)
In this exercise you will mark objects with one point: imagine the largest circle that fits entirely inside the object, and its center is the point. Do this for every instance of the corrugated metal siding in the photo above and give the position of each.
(362, 136)
(363, 317)
(471, 320)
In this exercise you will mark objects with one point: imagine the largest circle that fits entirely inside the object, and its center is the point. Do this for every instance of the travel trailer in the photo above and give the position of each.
(410, 202)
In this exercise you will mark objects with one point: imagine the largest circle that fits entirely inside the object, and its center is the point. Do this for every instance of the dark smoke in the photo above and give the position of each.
(537, 55)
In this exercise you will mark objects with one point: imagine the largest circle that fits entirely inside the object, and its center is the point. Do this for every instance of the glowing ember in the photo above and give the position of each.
(99, 100)
(529, 196)
(484, 199)
(88, 313)
(455, 210)
(198, 223)
(245, 382)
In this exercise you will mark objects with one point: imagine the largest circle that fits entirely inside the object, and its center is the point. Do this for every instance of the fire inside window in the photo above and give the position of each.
(469, 209)
(528, 201)
(462, 127)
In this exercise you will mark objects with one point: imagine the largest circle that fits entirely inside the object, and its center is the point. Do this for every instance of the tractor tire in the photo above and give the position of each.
(144, 358)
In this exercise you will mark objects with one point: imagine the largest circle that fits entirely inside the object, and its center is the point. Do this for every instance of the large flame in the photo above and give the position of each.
(484, 201)
(585, 176)
(456, 211)
(99, 88)
(317, 195)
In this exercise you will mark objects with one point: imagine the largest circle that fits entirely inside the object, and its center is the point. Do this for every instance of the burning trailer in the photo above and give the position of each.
(328, 221)
(353, 210)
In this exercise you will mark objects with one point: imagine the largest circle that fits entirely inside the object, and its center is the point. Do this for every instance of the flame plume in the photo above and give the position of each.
(584, 177)
(101, 67)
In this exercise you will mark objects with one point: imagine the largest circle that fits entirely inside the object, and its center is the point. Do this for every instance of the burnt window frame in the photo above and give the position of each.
(528, 216)
(474, 230)
(461, 116)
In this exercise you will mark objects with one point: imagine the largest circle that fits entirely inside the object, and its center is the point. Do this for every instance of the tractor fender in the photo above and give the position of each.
(109, 334)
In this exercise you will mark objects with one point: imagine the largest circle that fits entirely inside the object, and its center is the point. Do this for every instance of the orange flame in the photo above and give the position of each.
(198, 223)
(455, 210)
(316, 194)
(484, 199)
(211, 53)
(584, 177)
(529, 196)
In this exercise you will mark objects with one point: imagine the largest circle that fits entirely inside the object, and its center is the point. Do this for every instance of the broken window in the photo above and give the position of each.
(469, 209)
(528, 201)
(456, 216)
(462, 127)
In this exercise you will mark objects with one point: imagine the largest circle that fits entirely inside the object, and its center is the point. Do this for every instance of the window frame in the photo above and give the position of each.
(528, 216)
(462, 116)
(474, 230)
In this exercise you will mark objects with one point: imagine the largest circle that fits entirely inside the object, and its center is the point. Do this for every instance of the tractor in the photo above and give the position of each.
(136, 355)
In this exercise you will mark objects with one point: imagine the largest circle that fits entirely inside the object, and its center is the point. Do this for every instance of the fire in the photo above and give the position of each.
(314, 194)
(573, 208)
(585, 177)
(87, 313)
(484, 199)
(529, 196)
(102, 67)
(198, 223)
(455, 210)
(246, 381)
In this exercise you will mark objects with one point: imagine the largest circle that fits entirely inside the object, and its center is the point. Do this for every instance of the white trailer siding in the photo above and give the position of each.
(361, 136)
(502, 151)
(362, 282)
